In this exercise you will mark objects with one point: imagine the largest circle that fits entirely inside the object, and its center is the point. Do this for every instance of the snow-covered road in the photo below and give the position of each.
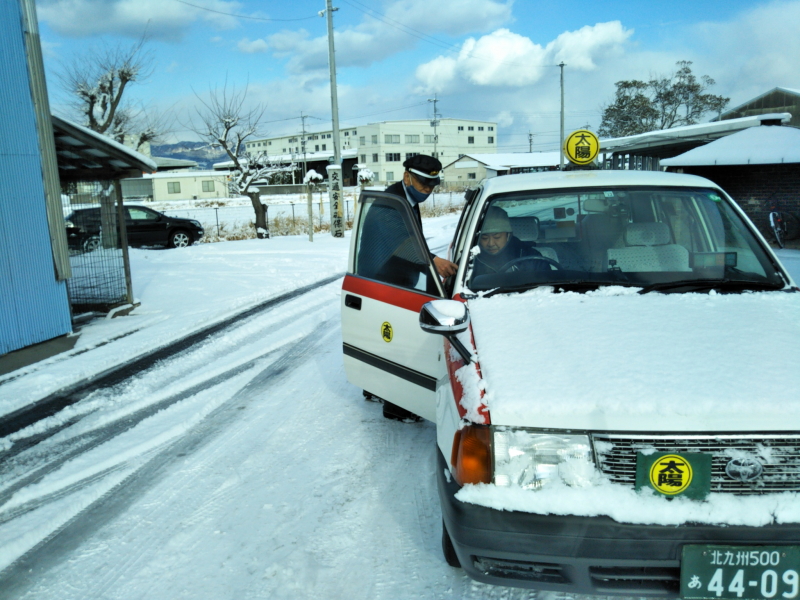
(263, 475)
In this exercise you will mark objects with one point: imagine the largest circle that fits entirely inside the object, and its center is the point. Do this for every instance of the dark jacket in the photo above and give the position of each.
(486, 263)
(398, 189)
(385, 252)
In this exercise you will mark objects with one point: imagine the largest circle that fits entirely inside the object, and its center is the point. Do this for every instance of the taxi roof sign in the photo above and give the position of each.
(581, 147)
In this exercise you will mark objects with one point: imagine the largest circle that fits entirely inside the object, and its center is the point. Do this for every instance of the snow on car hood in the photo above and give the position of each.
(616, 360)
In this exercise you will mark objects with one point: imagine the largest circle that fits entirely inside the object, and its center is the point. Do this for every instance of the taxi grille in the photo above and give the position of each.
(780, 456)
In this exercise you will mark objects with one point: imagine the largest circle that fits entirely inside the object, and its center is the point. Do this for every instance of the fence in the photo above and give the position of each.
(237, 222)
(95, 251)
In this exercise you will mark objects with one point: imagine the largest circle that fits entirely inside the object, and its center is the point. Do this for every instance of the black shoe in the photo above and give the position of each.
(370, 397)
(396, 413)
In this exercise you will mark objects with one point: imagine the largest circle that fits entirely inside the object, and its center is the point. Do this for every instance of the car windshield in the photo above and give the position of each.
(658, 238)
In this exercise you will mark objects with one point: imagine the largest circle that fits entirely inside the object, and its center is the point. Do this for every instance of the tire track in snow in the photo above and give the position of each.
(45, 407)
(21, 575)
(10, 459)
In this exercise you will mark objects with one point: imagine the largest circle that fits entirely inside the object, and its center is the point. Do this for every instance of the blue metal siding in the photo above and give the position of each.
(33, 305)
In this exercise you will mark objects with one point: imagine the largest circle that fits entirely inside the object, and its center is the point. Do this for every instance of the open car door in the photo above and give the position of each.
(390, 276)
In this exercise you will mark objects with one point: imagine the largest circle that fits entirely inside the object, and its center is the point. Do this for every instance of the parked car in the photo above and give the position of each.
(616, 405)
(144, 226)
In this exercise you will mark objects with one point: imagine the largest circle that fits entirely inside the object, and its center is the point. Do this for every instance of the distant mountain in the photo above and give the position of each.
(199, 152)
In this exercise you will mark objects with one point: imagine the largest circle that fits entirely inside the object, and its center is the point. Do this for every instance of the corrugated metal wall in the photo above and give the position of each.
(33, 305)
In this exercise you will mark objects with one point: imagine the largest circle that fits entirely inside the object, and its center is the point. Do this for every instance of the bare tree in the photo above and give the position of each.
(98, 81)
(225, 123)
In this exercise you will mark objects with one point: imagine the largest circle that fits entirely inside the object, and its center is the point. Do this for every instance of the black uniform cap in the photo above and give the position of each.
(427, 168)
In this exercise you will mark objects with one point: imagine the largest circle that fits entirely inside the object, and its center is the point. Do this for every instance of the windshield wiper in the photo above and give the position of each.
(696, 285)
(572, 284)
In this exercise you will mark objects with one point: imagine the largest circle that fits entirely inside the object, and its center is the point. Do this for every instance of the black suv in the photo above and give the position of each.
(145, 227)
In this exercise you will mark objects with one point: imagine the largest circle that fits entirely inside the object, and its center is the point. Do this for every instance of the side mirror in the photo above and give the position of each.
(447, 318)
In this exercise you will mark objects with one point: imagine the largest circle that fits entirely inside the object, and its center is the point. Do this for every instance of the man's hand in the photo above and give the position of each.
(444, 267)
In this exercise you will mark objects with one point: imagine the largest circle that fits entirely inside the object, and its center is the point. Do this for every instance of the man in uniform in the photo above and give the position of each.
(419, 179)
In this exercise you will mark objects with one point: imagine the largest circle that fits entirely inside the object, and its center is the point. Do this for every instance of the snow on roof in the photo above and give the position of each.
(766, 145)
(594, 178)
(516, 159)
(699, 131)
(70, 133)
(183, 174)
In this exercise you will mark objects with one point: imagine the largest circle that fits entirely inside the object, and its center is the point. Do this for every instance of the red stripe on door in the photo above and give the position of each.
(382, 292)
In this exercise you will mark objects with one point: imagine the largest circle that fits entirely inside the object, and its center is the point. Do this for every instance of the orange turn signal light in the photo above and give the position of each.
(472, 454)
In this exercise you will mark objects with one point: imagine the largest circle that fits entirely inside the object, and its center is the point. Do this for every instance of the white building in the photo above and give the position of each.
(382, 147)
(177, 185)
(474, 167)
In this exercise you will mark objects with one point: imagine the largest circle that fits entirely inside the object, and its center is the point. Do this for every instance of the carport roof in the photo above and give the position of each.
(85, 155)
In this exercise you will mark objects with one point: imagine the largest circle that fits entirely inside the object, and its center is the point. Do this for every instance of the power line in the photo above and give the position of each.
(227, 14)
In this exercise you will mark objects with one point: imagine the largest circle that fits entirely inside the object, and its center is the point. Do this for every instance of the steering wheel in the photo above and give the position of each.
(513, 263)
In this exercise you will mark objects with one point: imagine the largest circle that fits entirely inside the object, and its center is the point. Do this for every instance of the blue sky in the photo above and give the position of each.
(485, 59)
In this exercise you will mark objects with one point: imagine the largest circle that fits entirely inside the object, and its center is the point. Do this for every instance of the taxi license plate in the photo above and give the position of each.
(748, 572)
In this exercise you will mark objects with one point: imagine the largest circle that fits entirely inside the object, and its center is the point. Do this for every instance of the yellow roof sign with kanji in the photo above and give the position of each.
(581, 147)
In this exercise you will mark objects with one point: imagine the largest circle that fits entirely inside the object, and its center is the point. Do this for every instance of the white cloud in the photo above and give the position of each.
(751, 54)
(398, 28)
(505, 58)
(252, 47)
(161, 19)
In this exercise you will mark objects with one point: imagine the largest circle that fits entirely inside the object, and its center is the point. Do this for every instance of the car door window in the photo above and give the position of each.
(390, 247)
(141, 214)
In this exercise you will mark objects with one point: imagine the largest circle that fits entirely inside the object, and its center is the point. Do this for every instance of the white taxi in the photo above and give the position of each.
(613, 377)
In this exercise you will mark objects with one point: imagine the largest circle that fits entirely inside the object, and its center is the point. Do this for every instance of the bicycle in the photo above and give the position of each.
(784, 225)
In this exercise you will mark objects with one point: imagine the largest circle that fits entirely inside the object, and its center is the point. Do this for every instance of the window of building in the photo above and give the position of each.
(389, 175)
(293, 140)
(470, 128)
(374, 139)
(269, 143)
(374, 158)
(392, 157)
(391, 139)
(412, 139)
(362, 141)
(354, 131)
(297, 149)
(470, 140)
(316, 147)
(470, 175)
(491, 139)
(283, 150)
(323, 146)
(480, 128)
(430, 139)
(461, 128)
(363, 158)
(174, 187)
(410, 154)
(491, 128)
(208, 186)
(347, 133)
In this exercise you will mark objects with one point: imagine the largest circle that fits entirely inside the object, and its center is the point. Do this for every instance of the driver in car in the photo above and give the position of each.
(499, 247)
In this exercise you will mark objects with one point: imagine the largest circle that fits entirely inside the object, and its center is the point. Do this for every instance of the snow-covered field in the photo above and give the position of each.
(244, 467)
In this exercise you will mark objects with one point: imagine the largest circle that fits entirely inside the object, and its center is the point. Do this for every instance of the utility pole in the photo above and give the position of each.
(337, 152)
(435, 124)
(530, 142)
(561, 141)
(303, 142)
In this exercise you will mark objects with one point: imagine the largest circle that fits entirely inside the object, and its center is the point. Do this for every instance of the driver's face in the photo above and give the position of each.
(493, 242)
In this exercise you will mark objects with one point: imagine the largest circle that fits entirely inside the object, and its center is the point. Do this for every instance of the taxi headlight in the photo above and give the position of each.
(532, 460)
